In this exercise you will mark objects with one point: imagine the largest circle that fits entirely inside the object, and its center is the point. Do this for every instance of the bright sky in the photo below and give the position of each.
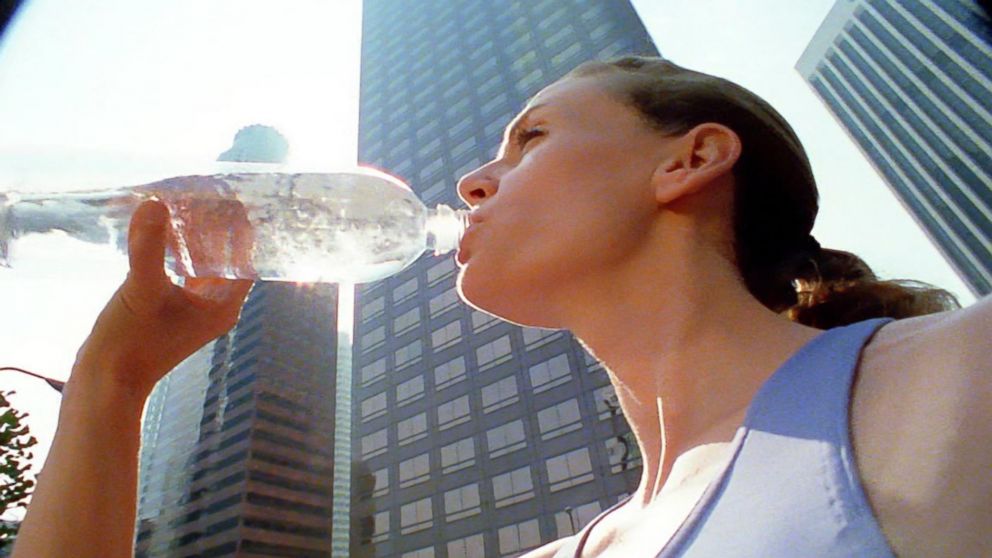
(118, 92)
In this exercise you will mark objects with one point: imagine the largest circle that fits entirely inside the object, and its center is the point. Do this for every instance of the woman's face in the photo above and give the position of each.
(561, 209)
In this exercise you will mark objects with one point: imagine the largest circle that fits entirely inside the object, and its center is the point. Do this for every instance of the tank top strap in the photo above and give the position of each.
(793, 488)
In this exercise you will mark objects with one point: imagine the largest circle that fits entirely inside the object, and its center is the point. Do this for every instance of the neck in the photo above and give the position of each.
(686, 351)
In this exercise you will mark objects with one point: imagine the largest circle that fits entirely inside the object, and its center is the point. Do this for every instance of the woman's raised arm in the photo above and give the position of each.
(85, 501)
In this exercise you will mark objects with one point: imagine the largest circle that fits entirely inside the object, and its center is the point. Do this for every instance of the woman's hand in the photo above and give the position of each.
(151, 325)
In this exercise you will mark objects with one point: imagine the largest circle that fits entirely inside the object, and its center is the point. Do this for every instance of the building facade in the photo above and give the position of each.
(237, 449)
(473, 437)
(911, 82)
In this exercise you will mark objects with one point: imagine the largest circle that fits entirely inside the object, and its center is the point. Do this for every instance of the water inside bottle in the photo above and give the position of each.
(342, 227)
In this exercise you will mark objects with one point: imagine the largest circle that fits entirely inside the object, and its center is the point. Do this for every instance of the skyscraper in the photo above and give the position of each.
(237, 454)
(249, 455)
(911, 82)
(479, 437)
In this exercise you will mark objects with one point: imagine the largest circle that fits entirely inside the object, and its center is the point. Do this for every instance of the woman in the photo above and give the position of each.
(679, 253)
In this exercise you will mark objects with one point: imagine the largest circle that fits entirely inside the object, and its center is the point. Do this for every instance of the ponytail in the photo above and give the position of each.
(837, 288)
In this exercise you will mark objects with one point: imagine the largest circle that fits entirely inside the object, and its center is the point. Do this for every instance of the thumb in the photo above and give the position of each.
(146, 242)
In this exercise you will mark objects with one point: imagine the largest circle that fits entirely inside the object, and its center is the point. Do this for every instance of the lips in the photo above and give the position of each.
(463, 252)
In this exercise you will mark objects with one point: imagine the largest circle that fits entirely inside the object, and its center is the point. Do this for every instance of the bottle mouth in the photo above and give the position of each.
(445, 227)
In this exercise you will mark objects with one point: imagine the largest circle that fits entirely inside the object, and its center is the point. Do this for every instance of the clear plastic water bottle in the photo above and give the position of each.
(344, 227)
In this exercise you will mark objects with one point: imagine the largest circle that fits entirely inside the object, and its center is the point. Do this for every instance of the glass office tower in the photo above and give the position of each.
(477, 438)
(912, 84)
(238, 441)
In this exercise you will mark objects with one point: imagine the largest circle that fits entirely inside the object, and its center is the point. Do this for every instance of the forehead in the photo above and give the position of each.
(578, 99)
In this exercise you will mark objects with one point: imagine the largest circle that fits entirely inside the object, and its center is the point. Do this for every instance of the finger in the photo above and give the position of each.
(147, 236)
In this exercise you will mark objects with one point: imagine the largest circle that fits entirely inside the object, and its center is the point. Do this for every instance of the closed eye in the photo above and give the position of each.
(522, 136)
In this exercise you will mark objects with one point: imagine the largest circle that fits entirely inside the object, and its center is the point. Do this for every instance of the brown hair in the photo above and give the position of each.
(775, 201)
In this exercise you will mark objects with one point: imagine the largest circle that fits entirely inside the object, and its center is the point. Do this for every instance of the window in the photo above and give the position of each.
(405, 290)
(434, 166)
(550, 373)
(411, 429)
(449, 373)
(569, 469)
(496, 103)
(373, 339)
(374, 372)
(381, 487)
(482, 321)
(406, 321)
(441, 270)
(489, 85)
(515, 486)
(592, 365)
(470, 547)
(601, 30)
(461, 503)
(562, 35)
(572, 520)
(506, 438)
(416, 516)
(373, 308)
(415, 470)
(430, 149)
(381, 531)
(499, 394)
(493, 353)
(427, 552)
(408, 354)
(429, 130)
(463, 147)
(444, 301)
(458, 110)
(495, 128)
(458, 455)
(374, 407)
(567, 56)
(525, 63)
(623, 453)
(431, 194)
(535, 337)
(410, 390)
(607, 404)
(559, 419)
(446, 336)
(519, 537)
(468, 167)
(453, 413)
(374, 444)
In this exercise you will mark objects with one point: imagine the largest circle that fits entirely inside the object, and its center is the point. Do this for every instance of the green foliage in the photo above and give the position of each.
(15, 482)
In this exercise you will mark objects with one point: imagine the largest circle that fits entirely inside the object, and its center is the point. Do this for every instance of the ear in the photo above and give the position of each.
(698, 158)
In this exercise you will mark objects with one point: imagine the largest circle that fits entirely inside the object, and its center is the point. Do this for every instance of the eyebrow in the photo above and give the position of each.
(515, 123)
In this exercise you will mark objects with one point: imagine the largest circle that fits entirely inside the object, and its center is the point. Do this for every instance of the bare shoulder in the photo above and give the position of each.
(921, 418)
(548, 550)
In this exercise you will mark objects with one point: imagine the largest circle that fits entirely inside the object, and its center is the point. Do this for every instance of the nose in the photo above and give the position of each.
(478, 185)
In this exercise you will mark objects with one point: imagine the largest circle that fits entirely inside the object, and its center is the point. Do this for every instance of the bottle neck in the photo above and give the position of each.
(445, 227)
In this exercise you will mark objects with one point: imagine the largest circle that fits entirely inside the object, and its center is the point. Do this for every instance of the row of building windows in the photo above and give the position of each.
(465, 502)
(488, 355)
(621, 451)
(544, 375)
(512, 487)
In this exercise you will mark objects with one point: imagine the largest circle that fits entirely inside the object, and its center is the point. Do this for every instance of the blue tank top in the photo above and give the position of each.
(791, 487)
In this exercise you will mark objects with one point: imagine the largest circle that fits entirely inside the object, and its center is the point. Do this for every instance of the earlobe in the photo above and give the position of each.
(700, 157)
(668, 180)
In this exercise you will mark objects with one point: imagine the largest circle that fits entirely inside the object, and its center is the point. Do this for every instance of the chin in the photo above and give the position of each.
(517, 302)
